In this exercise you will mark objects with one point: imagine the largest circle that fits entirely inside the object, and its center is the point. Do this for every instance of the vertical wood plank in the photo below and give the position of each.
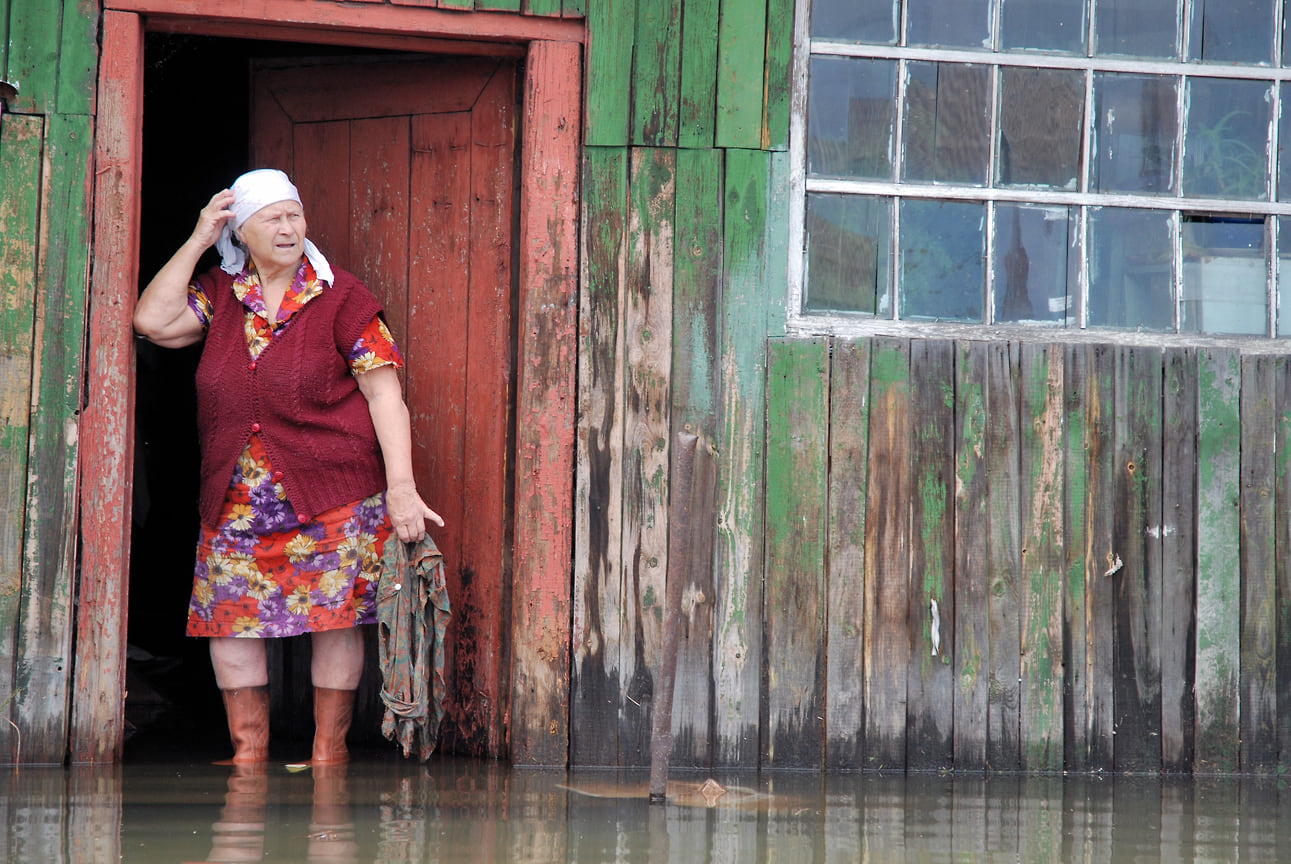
(1137, 583)
(32, 67)
(656, 73)
(325, 193)
(1178, 558)
(78, 55)
(545, 405)
(611, 30)
(796, 508)
(43, 675)
(1042, 448)
(1075, 653)
(930, 699)
(887, 556)
(972, 618)
(849, 401)
(696, 305)
(598, 566)
(1004, 554)
(778, 75)
(1259, 684)
(697, 111)
(647, 353)
(21, 150)
(741, 54)
(1100, 557)
(107, 432)
(737, 656)
(379, 160)
(1218, 572)
(549, 8)
(1282, 553)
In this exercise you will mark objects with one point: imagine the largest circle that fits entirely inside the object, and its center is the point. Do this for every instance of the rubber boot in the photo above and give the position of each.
(333, 712)
(248, 712)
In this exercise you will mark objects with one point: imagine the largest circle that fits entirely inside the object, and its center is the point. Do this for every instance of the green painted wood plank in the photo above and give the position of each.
(1076, 697)
(498, 5)
(1178, 558)
(1282, 554)
(697, 111)
(32, 64)
(696, 323)
(1102, 558)
(647, 355)
(1004, 556)
(741, 422)
(1218, 573)
(1259, 681)
(887, 556)
(1136, 585)
(461, 5)
(43, 675)
(656, 73)
(611, 29)
(972, 621)
(741, 55)
(779, 74)
(1042, 449)
(21, 146)
(796, 519)
(777, 245)
(849, 400)
(78, 57)
(930, 677)
(5, 11)
(547, 8)
(596, 681)
(574, 8)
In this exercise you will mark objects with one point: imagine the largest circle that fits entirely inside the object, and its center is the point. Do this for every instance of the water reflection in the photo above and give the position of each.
(460, 811)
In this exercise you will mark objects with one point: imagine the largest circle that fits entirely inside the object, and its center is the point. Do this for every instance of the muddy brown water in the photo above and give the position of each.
(456, 810)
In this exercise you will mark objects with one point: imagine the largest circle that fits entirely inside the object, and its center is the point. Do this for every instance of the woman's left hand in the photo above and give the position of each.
(408, 513)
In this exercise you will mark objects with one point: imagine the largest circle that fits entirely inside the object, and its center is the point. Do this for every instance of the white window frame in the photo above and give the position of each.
(801, 322)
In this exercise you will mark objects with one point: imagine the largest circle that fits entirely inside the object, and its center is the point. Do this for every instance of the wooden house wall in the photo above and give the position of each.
(47, 50)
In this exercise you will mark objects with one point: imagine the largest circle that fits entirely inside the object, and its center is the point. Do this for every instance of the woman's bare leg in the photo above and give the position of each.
(337, 659)
(239, 662)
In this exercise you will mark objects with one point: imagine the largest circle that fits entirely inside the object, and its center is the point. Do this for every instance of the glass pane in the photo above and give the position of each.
(964, 23)
(1130, 276)
(1232, 31)
(849, 239)
(854, 20)
(1041, 116)
(1284, 145)
(1225, 143)
(1225, 276)
(1134, 135)
(1139, 28)
(1046, 25)
(942, 274)
(1031, 246)
(948, 122)
(1284, 276)
(850, 116)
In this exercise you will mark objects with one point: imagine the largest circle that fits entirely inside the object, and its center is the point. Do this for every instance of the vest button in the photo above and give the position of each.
(255, 427)
(302, 518)
(252, 365)
(277, 476)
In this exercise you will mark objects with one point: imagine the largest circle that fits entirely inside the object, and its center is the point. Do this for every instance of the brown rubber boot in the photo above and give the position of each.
(333, 712)
(248, 712)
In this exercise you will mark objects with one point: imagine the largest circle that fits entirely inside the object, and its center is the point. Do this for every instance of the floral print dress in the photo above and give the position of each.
(260, 572)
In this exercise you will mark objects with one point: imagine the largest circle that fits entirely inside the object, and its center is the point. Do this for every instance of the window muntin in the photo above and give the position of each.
(1120, 133)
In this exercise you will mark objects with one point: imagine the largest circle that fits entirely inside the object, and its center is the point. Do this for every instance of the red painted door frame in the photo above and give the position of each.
(545, 377)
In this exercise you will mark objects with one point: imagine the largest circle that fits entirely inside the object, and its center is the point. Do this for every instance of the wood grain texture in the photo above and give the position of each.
(596, 696)
(846, 579)
(33, 55)
(545, 405)
(1282, 552)
(1101, 556)
(887, 556)
(972, 643)
(741, 64)
(796, 523)
(608, 109)
(1259, 686)
(1075, 619)
(778, 75)
(107, 430)
(1218, 661)
(78, 56)
(697, 111)
(656, 73)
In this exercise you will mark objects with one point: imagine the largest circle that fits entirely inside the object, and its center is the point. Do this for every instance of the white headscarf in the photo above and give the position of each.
(254, 191)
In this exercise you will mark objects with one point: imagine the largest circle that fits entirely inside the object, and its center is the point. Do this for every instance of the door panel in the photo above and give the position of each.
(406, 171)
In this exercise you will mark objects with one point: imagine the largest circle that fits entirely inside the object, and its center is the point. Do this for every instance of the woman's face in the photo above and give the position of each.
(275, 235)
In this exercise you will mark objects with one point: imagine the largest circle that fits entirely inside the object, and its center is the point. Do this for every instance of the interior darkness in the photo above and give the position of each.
(195, 142)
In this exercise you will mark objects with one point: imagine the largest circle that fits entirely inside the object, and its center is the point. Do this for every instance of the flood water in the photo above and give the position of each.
(457, 810)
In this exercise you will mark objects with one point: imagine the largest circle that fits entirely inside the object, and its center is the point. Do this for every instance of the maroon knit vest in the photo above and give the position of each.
(298, 395)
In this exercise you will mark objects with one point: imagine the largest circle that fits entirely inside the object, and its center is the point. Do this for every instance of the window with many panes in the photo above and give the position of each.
(1061, 163)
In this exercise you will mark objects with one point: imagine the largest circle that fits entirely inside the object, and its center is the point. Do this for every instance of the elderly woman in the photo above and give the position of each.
(306, 452)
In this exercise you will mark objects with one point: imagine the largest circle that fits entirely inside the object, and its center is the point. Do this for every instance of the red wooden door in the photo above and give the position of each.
(406, 169)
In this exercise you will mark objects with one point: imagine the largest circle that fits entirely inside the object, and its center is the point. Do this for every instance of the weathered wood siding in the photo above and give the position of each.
(48, 51)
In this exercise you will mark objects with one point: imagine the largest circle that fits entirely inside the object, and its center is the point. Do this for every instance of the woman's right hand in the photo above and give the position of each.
(210, 222)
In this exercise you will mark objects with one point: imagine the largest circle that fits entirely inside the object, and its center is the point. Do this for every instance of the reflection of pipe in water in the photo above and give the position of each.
(710, 793)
